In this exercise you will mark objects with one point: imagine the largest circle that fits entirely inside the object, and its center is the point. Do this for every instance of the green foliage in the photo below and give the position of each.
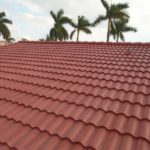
(83, 25)
(58, 32)
(4, 30)
(10, 39)
(120, 28)
(113, 12)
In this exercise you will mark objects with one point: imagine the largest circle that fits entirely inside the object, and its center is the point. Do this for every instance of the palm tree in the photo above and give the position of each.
(48, 37)
(113, 12)
(120, 28)
(10, 40)
(82, 25)
(58, 32)
(4, 30)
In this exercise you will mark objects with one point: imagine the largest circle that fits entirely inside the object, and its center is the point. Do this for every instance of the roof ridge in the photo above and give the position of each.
(88, 42)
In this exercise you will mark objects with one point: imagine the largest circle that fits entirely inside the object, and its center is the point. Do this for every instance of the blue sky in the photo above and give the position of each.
(31, 18)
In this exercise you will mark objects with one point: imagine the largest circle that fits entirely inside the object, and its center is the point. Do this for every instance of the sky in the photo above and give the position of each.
(32, 20)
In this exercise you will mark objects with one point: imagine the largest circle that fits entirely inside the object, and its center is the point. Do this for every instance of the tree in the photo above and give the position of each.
(4, 30)
(82, 25)
(113, 12)
(10, 40)
(48, 37)
(120, 28)
(58, 32)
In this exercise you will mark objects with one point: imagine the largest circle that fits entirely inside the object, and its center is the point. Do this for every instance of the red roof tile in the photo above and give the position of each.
(75, 96)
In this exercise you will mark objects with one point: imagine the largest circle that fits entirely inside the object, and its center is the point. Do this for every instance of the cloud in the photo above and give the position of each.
(29, 5)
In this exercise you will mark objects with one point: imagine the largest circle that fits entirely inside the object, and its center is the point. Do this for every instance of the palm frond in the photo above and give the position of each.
(4, 20)
(105, 4)
(99, 19)
(10, 40)
(53, 15)
(86, 30)
(123, 15)
(72, 34)
(4, 31)
(122, 37)
(122, 6)
(84, 22)
(60, 13)
(58, 32)
(117, 13)
(64, 34)
(48, 37)
(53, 34)
(128, 29)
(66, 20)
(2, 14)
(113, 31)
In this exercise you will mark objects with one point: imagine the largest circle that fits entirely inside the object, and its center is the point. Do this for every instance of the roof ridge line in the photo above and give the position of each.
(88, 42)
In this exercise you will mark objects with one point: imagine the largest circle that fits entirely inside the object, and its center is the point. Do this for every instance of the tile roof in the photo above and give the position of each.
(75, 96)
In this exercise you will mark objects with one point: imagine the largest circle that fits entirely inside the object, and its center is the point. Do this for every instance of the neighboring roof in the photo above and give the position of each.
(73, 96)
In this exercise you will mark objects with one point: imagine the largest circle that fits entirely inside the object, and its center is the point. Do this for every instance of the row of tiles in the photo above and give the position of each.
(71, 113)
(70, 92)
(80, 76)
(140, 86)
(83, 60)
(107, 106)
(75, 61)
(80, 86)
(23, 136)
(77, 47)
(107, 69)
(73, 118)
(125, 55)
(77, 132)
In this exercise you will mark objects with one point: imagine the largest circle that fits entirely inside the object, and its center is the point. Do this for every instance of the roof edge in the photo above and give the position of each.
(87, 42)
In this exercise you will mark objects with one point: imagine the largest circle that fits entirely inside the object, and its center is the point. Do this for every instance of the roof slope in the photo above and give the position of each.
(75, 96)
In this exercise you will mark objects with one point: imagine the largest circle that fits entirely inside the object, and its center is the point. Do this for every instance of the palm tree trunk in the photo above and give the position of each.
(77, 35)
(108, 30)
(117, 38)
